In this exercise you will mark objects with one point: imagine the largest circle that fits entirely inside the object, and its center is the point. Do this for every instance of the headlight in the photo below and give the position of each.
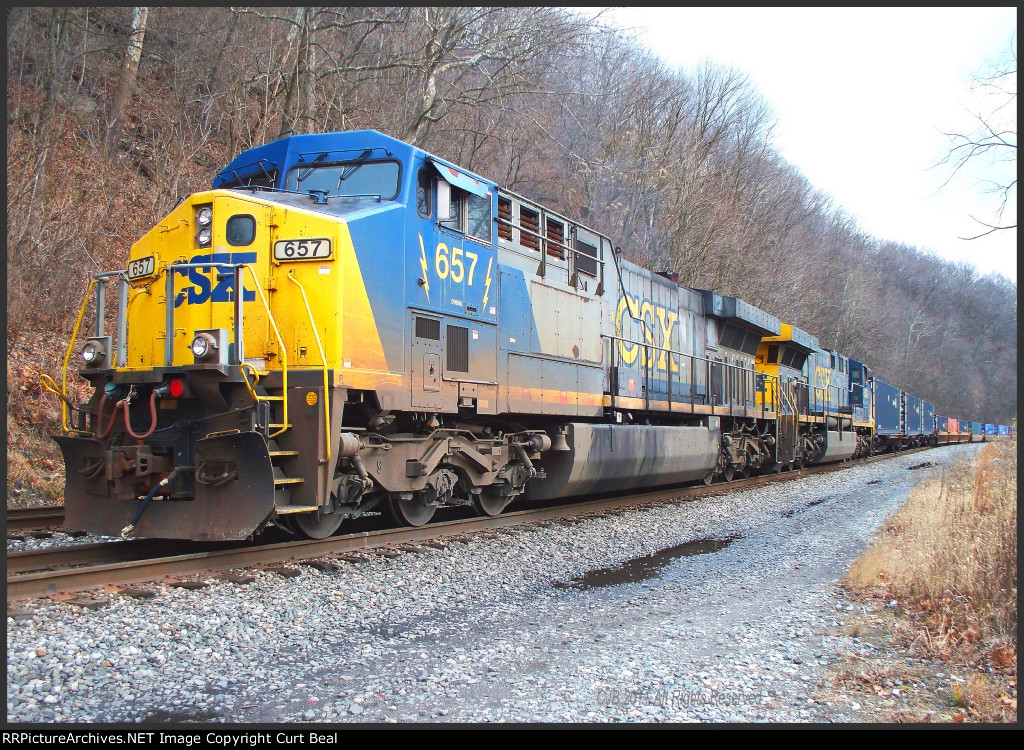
(92, 353)
(204, 237)
(203, 346)
(205, 216)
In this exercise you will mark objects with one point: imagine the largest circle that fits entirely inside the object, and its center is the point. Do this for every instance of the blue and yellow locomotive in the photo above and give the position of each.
(346, 323)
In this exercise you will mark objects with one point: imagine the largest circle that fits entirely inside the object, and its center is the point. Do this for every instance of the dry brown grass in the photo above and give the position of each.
(949, 559)
(951, 551)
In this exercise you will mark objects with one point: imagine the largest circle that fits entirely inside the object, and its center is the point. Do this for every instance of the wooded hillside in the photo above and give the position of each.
(114, 113)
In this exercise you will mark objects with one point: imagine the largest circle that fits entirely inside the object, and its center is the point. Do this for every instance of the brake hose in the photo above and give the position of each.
(138, 513)
(152, 417)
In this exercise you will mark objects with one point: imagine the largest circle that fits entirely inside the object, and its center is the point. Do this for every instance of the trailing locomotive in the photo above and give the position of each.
(346, 323)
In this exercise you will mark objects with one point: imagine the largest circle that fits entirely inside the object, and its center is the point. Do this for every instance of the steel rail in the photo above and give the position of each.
(138, 570)
(38, 517)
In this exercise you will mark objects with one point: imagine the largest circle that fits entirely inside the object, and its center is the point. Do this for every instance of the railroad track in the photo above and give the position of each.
(88, 566)
(31, 519)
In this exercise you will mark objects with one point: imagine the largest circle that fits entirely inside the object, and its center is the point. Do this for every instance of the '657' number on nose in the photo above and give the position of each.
(302, 249)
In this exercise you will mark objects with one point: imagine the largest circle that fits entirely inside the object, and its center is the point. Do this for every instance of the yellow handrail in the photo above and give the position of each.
(255, 378)
(323, 358)
(48, 381)
(284, 353)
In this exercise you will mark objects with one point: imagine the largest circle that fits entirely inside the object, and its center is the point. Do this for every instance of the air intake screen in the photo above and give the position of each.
(458, 349)
(428, 328)
(505, 215)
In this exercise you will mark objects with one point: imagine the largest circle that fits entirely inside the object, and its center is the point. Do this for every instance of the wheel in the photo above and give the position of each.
(745, 473)
(709, 477)
(315, 525)
(728, 473)
(489, 502)
(410, 512)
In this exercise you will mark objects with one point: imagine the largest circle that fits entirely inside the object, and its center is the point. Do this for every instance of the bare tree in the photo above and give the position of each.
(126, 80)
(994, 140)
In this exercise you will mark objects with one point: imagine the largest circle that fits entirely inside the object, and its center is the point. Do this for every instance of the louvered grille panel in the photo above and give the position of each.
(458, 349)
(505, 214)
(428, 328)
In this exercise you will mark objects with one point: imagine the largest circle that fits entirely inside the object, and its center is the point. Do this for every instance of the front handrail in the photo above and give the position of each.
(48, 381)
(239, 294)
(238, 269)
(323, 358)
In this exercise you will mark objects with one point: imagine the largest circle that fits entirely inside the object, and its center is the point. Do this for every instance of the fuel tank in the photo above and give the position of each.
(605, 458)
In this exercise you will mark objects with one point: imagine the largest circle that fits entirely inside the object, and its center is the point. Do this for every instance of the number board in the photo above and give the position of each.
(141, 267)
(311, 249)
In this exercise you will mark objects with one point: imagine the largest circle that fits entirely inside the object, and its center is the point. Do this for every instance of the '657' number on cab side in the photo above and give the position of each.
(311, 249)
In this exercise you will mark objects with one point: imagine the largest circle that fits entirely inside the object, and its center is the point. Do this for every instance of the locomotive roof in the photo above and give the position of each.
(798, 337)
(296, 149)
(734, 309)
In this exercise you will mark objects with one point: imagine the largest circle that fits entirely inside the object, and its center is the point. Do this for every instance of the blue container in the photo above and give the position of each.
(929, 419)
(1004, 430)
(913, 415)
(963, 425)
(976, 429)
(990, 429)
(887, 409)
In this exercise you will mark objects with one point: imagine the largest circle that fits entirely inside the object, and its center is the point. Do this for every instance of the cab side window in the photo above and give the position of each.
(423, 186)
(458, 209)
(478, 214)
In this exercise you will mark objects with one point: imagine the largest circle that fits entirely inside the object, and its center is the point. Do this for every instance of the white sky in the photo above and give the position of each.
(862, 97)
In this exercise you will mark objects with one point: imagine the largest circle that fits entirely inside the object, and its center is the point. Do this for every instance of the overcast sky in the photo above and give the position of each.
(862, 98)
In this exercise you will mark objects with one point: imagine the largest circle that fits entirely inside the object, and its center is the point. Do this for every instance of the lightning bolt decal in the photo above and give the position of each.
(487, 283)
(423, 265)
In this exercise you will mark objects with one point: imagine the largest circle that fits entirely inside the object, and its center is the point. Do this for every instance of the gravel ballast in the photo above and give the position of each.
(500, 627)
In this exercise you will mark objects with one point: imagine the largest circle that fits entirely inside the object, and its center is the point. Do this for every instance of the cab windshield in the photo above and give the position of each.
(377, 179)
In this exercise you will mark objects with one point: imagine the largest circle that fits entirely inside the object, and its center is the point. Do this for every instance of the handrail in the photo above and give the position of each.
(547, 240)
(323, 358)
(280, 343)
(239, 329)
(64, 367)
(728, 367)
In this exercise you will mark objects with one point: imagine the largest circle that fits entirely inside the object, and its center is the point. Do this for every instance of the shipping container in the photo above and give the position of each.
(887, 408)
(913, 415)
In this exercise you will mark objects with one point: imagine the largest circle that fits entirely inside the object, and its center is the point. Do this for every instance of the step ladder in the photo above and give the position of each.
(283, 483)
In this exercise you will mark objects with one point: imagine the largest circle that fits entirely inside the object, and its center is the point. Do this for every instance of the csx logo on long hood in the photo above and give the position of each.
(201, 291)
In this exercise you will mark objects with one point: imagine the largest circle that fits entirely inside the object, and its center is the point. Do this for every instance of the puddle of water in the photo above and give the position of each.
(643, 568)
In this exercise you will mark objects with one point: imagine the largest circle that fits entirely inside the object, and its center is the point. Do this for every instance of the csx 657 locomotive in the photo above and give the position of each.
(345, 323)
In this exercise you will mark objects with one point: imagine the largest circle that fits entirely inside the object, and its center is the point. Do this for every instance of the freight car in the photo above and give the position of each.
(345, 323)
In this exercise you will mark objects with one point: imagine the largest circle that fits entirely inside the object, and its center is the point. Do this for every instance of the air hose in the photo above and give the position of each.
(152, 418)
(142, 507)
